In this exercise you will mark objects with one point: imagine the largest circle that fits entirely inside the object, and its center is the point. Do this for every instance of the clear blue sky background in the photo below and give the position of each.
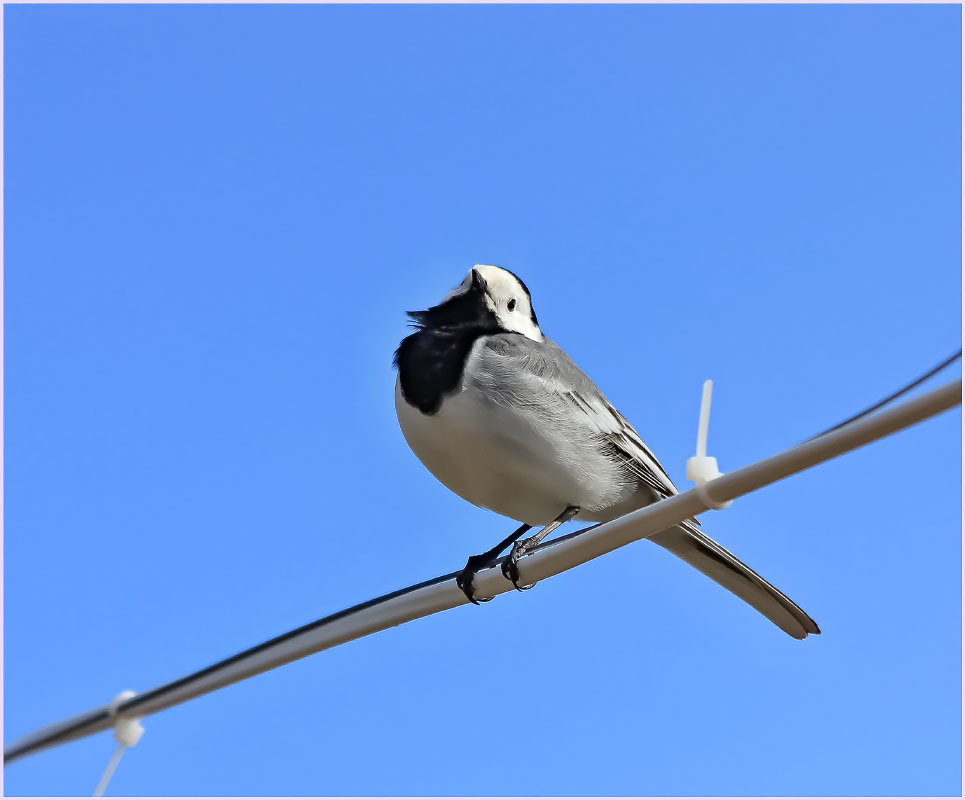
(216, 217)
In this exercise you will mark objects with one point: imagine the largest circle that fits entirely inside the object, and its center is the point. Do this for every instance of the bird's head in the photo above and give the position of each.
(489, 297)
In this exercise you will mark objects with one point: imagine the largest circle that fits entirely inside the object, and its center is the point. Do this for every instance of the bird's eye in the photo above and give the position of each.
(511, 305)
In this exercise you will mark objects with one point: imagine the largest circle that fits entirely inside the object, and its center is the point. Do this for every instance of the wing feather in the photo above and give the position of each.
(627, 444)
(558, 375)
(557, 380)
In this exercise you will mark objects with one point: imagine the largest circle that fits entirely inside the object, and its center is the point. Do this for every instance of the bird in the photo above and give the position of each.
(505, 419)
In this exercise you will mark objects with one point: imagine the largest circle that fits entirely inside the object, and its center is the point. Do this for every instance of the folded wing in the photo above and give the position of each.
(560, 376)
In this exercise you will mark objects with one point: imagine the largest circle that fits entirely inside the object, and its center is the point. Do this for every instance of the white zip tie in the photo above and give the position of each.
(702, 468)
(127, 731)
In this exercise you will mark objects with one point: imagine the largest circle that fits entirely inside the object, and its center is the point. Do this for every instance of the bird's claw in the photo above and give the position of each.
(510, 568)
(464, 582)
(464, 579)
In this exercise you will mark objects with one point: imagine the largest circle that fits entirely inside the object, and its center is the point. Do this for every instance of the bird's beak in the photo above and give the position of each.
(478, 281)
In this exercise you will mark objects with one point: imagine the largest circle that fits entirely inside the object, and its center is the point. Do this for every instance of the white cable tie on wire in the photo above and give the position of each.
(127, 732)
(702, 468)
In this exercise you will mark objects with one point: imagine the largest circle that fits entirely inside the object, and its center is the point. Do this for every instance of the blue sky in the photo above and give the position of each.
(215, 218)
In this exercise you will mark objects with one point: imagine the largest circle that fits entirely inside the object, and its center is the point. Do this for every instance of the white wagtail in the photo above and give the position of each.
(506, 420)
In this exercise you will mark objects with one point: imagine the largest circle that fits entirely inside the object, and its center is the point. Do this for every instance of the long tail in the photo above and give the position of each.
(700, 551)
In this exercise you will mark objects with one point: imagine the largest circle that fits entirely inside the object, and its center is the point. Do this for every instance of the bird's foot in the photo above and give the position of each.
(510, 567)
(464, 578)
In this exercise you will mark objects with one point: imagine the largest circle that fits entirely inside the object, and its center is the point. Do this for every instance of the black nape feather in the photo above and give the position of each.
(431, 360)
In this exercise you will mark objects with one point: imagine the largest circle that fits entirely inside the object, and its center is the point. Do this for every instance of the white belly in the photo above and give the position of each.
(490, 457)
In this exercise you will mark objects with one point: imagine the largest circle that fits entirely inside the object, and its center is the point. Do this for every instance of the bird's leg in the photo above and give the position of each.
(520, 549)
(476, 563)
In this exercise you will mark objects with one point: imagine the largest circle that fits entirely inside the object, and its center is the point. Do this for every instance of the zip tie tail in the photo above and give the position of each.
(702, 468)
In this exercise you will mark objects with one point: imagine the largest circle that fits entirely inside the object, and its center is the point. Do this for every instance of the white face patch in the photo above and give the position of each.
(505, 297)
(508, 299)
